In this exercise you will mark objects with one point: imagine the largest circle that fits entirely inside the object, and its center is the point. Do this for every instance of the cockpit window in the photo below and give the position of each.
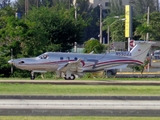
(44, 56)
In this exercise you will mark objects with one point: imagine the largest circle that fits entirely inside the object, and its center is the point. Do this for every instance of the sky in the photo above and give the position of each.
(12, 0)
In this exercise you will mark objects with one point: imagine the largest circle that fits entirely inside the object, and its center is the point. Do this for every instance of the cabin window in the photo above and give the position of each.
(75, 58)
(61, 58)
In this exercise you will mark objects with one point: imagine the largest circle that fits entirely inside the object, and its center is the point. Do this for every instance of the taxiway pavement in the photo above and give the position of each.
(120, 106)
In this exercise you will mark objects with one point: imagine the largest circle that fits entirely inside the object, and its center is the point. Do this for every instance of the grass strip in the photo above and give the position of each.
(92, 90)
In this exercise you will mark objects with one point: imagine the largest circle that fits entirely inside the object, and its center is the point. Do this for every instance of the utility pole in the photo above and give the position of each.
(75, 6)
(147, 37)
(108, 39)
(26, 7)
(37, 3)
(69, 2)
(100, 35)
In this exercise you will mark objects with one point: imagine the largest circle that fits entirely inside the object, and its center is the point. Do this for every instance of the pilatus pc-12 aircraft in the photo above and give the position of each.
(71, 64)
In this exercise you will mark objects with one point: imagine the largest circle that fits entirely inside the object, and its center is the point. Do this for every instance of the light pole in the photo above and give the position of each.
(37, 3)
(26, 7)
(75, 7)
(147, 36)
(75, 15)
(108, 31)
(100, 35)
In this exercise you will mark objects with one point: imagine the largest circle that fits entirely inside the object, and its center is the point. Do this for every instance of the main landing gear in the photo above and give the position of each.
(72, 77)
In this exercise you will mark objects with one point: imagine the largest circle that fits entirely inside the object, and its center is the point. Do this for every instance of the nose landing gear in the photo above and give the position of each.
(32, 76)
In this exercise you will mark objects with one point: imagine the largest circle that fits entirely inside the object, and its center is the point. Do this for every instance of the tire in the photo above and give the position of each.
(32, 77)
(109, 73)
(72, 77)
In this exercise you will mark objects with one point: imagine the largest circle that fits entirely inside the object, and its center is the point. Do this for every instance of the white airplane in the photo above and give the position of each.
(71, 64)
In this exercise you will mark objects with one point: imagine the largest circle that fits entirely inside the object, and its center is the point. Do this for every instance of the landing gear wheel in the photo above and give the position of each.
(32, 77)
(72, 77)
(109, 73)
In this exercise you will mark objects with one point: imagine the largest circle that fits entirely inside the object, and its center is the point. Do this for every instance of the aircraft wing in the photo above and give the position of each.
(73, 66)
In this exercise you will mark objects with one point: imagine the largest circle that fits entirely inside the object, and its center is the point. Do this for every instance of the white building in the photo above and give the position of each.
(105, 3)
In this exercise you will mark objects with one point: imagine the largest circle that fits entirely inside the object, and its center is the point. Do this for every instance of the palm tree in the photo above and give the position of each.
(142, 30)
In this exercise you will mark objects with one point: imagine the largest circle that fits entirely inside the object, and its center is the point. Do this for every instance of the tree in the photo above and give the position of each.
(84, 10)
(4, 3)
(43, 29)
(116, 27)
(152, 28)
(91, 17)
(24, 6)
(57, 27)
(140, 7)
(9, 32)
(154, 24)
(116, 8)
(95, 46)
(142, 30)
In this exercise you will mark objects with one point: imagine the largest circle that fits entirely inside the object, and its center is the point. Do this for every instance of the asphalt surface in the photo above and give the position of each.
(22, 105)
(80, 104)
(40, 107)
(79, 112)
(40, 97)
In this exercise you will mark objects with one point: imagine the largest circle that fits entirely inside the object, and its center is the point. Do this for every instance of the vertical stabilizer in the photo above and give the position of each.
(140, 51)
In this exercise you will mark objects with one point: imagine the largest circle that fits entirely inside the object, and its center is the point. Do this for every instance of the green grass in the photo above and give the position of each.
(49, 89)
(75, 118)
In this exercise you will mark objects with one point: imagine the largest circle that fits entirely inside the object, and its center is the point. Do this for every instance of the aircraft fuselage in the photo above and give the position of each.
(89, 62)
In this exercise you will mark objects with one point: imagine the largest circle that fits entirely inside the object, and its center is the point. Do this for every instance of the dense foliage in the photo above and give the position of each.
(50, 25)
(94, 46)
(43, 29)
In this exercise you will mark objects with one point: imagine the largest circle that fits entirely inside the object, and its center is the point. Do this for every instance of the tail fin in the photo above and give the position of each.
(140, 51)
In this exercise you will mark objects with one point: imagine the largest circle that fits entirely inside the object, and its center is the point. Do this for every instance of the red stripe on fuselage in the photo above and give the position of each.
(117, 61)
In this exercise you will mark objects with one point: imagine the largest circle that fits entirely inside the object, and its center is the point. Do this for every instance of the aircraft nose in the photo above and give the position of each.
(10, 61)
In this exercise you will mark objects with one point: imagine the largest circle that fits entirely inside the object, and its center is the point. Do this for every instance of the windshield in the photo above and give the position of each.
(43, 56)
